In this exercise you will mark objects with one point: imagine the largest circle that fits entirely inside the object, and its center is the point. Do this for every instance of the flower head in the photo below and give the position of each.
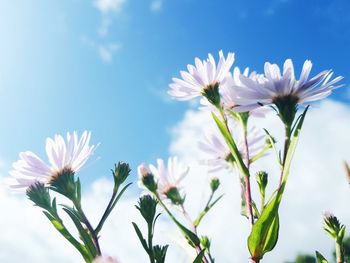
(284, 90)
(63, 155)
(205, 76)
(168, 179)
(221, 157)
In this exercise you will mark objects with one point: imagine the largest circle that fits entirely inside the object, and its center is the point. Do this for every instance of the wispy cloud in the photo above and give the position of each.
(273, 6)
(156, 5)
(106, 6)
(106, 51)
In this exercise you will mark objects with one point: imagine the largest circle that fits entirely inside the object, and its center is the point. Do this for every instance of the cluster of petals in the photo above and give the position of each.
(70, 154)
(167, 177)
(254, 93)
(205, 73)
(218, 152)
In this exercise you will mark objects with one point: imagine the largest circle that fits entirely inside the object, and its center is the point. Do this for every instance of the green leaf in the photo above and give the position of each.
(142, 240)
(199, 257)
(293, 145)
(84, 235)
(320, 258)
(65, 233)
(264, 234)
(232, 145)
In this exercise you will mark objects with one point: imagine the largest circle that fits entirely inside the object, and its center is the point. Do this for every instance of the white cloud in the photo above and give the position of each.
(106, 51)
(317, 183)
(106, 6)
(156, 5)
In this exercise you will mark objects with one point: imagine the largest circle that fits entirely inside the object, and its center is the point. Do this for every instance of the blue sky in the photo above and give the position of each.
(68, 65)
(105, 66)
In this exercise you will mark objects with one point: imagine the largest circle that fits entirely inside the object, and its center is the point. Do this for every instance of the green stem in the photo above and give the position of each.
(107, 211)
(197, 247)
(92, 232)
(285, 151)
(339, 252)
(150, 245)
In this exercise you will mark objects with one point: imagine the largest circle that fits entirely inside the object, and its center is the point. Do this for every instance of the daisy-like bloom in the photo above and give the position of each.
(63, 156)
(220, 154)
(202, 79)
(284, 90)
(168, 179)
(104, 260)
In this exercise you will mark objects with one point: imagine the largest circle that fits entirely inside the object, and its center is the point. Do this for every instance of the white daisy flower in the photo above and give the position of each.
(205, 74)
(282, 89)
(220, 154)
(63, 155)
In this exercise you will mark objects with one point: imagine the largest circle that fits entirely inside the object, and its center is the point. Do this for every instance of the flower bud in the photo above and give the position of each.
(262, 180)
(214, 184)
(147, 178)
(40, 196)
(147, 207)
(121, 172)
(205, 242)
(334, 228)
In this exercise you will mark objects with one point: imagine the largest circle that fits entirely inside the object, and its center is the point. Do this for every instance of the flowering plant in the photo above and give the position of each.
(234, 99)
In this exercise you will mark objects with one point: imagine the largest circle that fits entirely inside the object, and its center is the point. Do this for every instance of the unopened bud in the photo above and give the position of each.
(147, 178)
(214, 184)
(334, 228)
(121, 172)
(40, 196)
(147, 207)
(262, 180)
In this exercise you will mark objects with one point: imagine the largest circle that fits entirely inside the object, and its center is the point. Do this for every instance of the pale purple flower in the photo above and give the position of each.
(204, 74)
(276, 87)
(166, 177)
(70, 154)
(220, 156)
(104, 260)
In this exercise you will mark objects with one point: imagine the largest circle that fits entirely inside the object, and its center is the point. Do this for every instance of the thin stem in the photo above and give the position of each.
(285, 150)
(150, 245)
(107, 211)
(197, 247)
(339, 252)
(247, 178)
(88, 225)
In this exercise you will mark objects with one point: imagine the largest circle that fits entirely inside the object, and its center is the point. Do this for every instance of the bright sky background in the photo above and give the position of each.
(105, 65)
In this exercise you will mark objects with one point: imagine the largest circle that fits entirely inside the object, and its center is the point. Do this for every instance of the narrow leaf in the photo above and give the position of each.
(142, 240)
(199, 257)
(320, 258)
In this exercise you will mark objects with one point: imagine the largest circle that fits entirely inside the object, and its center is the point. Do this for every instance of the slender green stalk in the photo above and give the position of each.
(92, 232)
(285, 151)
(197, 247)
(150, 244)
(339, 252)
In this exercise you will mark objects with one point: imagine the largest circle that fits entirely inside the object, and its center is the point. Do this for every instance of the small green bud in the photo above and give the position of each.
(205, 242)
(174, 196)
(147, 178)
(147, 207)
(211, 92)
(40, 195)
(332, 225)
(160, 253)
(214, 184)
(262, 180)
(121, 172)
